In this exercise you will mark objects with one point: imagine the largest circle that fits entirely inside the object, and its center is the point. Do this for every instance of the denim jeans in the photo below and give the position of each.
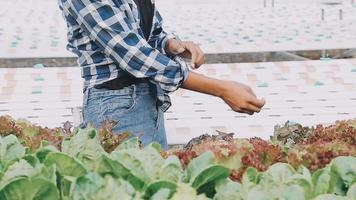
(133, 107)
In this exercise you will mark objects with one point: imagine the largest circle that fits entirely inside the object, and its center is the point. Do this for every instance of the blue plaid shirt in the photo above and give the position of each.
(107, 38)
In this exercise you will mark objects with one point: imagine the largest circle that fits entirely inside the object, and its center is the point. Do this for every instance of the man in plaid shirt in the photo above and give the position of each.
(130, 65)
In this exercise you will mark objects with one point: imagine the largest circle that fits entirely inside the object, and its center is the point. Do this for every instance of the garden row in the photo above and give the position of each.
(297, 163)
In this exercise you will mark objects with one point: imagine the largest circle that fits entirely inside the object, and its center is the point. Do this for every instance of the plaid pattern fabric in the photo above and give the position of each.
(106, 36)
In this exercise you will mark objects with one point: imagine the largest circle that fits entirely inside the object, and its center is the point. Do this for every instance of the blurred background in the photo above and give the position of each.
(298, 54)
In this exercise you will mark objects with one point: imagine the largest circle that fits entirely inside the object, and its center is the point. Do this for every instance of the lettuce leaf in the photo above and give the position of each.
(229, 190)
(351, 194)
(276, 192)
(20, 168)
(66, 165)
(10, 151)
(330, 197)
(85, 146)
(25, 188)
(136, 161)
(107, 166)
(186, 192)
(171, 170)
(343, 174)
(203, 174)
(155, 187)
(321, 181)
(93, 187)
(132, 143)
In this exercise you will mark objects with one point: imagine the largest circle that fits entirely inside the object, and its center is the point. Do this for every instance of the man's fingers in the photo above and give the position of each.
(197, 55)
(248, 109)
(247, 112)
(252, 108)
(257, 102)
(200, 58)
(194, 53)
(240, 110)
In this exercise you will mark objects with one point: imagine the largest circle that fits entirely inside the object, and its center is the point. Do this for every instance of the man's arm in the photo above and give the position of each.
(238, 96)
(170, 45)
(112, 28)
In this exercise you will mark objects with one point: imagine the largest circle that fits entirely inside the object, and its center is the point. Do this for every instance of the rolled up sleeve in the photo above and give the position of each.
(114, 30)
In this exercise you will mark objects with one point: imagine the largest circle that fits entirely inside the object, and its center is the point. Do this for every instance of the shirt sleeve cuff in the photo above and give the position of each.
(164, 43)
(184, 69)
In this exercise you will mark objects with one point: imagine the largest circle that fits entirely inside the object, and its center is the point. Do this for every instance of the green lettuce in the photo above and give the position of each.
(186, 192)
(66, 165)
(107, 166)
(202, 174)
(229, 190)
(94, 187)
(25, 188)
(85, 146)
(10, 151)
(351, 194)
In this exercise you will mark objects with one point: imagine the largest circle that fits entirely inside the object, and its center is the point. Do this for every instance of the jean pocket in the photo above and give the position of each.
(117, 103)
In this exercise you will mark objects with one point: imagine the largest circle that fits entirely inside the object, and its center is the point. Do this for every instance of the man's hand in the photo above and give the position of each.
(238, 96)
(241, 98)
(186, 49)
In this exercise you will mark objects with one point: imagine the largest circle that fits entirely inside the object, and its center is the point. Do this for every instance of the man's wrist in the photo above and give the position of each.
(203, 84)
(220, 87)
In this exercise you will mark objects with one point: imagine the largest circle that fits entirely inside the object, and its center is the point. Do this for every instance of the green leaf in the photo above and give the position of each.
(94, 187)
(66, 186)
(228, 190)
(86, 147)
(87, 185)
(42, 152)
(206, 180)
(155, 145)
(156, 186)
(321, 181)
(303, 178)
(10, 149)
(136, 161)
(281, 192)
(351, 194)
(132, 143)
(330, 197)
(116, 169)
(162, 194)
(203, 174)
(48, 173)
(197, 165)
(345, 168)
(20, 168)
(279, 182)
(66, 165)
(32, 160)
(24, 169)
(186, 192)
(250, 178)
(280, 172)
(171, 169)
(131, 161)
(24, 188)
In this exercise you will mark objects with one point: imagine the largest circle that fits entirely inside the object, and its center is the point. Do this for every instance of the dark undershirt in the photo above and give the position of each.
(146, 9)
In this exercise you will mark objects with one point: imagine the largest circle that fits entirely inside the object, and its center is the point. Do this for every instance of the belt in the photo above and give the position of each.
(120, 83)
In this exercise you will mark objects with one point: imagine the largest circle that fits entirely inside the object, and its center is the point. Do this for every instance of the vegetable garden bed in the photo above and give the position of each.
(297, 163)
